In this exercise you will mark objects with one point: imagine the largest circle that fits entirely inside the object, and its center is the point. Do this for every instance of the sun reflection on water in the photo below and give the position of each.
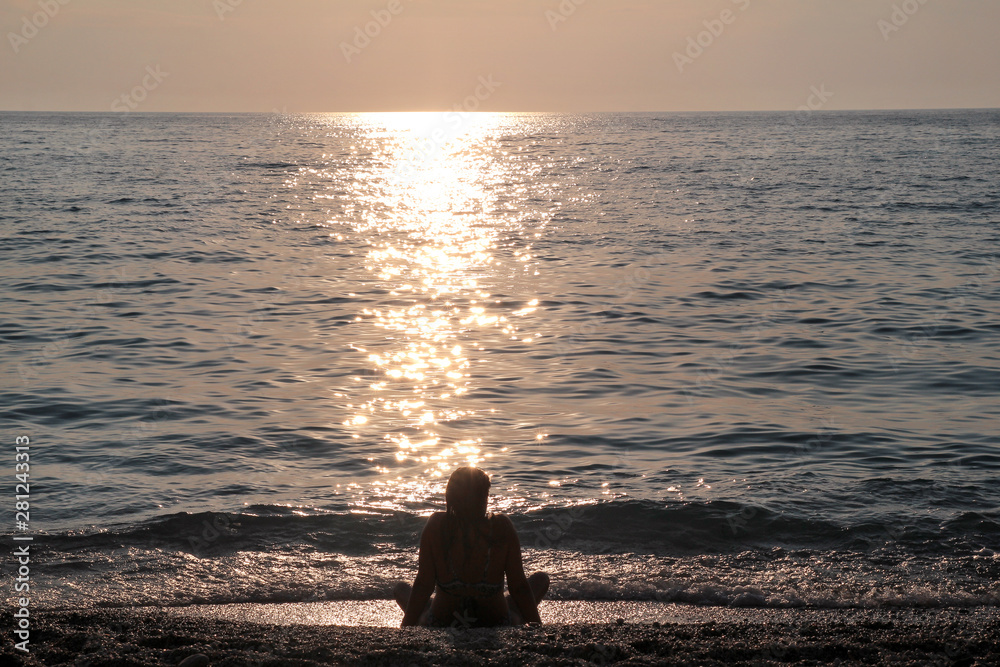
(432, 215)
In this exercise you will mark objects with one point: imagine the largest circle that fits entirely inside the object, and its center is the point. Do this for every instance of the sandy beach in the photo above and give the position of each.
(950, 636)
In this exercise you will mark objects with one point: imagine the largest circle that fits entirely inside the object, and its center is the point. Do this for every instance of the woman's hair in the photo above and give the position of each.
(466, 498)
(467, 494)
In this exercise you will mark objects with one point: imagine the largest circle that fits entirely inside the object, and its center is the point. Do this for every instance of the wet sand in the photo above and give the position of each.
(124, 637)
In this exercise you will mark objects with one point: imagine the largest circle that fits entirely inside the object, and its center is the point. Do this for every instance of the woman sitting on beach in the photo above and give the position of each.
(466, 552)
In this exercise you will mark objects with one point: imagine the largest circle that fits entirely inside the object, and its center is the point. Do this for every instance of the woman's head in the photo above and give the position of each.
(467, 493)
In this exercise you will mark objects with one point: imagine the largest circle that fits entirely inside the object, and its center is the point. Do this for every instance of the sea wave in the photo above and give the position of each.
(619, 526)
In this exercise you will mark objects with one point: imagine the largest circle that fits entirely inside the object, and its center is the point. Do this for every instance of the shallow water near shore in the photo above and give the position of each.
(387, 614)
(722, 359)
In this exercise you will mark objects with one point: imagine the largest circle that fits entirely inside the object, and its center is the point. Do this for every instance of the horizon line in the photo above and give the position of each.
(511, 111)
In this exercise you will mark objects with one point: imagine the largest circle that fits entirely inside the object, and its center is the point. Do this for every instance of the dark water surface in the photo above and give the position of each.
(714, 358)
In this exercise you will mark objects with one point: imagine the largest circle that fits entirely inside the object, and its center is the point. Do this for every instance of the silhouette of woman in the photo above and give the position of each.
(464, 555)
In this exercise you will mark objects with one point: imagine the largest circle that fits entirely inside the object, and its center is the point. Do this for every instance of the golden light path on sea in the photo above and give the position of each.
(432, 215)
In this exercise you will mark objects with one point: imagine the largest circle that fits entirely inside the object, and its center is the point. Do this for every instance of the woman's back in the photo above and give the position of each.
(469, 567)
(473, 556)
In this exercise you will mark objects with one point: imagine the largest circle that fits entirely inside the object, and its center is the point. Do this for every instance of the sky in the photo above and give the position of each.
(497, 55)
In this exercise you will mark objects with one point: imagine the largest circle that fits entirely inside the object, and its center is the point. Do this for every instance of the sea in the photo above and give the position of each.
(722, 359)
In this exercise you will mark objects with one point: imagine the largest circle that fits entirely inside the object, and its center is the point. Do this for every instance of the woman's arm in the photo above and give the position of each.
(517, 583)
(423, 585)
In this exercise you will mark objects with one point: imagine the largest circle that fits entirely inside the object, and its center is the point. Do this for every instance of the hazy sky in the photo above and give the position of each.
(500, 55)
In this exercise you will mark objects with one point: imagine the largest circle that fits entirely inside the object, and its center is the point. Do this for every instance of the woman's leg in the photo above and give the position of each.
(402, 592)
(539, 583)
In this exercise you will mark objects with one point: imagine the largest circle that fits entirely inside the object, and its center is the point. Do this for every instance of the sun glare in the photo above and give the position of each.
(431, 227)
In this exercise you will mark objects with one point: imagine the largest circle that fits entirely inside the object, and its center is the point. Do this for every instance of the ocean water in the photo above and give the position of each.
(720, 359)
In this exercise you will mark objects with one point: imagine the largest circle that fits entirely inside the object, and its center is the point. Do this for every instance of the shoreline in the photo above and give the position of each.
(161, 636)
